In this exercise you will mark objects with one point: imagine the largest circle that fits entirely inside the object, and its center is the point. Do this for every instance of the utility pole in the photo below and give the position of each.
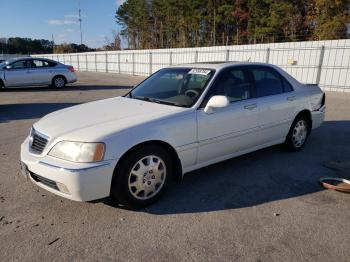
(80, 20)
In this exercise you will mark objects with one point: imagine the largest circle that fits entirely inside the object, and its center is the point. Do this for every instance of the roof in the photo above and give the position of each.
(217, 65)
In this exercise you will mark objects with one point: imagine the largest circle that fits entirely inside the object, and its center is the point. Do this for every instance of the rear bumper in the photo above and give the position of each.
(83, 181)
(72, 78)
(318, 117)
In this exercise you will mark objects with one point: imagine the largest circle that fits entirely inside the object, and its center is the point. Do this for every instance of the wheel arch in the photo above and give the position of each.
(307, 114)
(177, 174)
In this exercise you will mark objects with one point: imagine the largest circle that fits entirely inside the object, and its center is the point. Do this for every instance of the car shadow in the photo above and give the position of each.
(66, 88)
(264, 176)
(9, 112)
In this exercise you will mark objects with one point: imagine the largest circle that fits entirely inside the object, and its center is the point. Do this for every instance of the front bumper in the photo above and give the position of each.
(83, 181)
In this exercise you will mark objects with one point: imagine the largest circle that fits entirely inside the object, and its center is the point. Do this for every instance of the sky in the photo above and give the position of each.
(39, 19)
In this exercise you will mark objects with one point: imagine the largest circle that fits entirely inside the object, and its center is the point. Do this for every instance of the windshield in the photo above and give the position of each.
(173, 86)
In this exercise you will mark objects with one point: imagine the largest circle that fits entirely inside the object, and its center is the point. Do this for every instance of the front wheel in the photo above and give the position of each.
(142, 176)
(298, 134)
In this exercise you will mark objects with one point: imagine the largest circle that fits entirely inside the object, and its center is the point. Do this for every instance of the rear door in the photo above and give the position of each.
(233, 128)
(19, 74)
(41, 72)
(277, 103)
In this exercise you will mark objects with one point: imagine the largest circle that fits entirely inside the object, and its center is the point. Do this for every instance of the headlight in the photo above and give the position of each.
(78, 152)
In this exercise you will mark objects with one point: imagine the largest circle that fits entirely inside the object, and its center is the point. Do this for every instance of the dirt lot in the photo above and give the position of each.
(262, 206)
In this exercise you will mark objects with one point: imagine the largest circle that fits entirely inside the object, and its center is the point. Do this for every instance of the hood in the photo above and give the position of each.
(95, 120)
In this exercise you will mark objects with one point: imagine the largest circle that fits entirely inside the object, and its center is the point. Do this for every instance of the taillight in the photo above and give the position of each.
(71, 68)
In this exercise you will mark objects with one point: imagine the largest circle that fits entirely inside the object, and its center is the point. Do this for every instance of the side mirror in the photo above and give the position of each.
(8, 67)
(216, 102)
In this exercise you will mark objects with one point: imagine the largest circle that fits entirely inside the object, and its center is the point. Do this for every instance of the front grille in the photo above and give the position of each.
(44, 181)
(38, 142)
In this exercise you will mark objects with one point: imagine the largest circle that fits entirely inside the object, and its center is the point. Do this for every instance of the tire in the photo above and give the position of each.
(58, 82)
(298, 134)
(142, 176)
(2, 86)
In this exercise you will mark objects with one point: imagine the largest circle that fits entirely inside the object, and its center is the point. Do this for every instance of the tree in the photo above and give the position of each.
(331, 18)
(114, 44)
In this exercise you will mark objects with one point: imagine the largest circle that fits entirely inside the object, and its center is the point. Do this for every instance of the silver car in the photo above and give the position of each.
(31, 71)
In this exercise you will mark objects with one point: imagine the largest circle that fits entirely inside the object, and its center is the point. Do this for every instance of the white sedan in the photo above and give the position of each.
(28, 71)
(179, 119)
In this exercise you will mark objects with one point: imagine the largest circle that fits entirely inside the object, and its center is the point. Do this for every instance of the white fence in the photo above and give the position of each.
(326, 63)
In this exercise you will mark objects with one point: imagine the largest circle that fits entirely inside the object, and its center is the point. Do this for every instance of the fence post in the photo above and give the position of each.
(267, 55)
(227, 55)
(86, 63)
(119, 63)
(106, 63)
(170, 58)
(320, 63)
(70, 59)
(133, 63)
(196, 56)
(78, 62)
(96, 62)
(150, 63)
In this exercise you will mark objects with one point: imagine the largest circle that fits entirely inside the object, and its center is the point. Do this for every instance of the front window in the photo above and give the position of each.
(174, 86)
(21, 64)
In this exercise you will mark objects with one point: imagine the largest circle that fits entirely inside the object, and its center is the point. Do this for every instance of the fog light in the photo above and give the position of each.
(62, 188)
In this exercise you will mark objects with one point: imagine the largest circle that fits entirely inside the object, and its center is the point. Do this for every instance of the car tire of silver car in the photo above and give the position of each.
(298, 134)
(2, 86)
(58, 82)
(142, 176)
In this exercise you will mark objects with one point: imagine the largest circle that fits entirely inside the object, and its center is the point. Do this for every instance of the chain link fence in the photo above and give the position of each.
(326, 63)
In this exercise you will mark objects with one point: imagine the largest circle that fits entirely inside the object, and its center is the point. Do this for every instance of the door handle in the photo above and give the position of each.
(291, 98)
(250, 107)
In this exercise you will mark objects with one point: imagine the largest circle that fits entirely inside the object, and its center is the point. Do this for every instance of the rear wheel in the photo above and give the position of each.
(2, 86)
(142, 176)
(58, 82)
(298, 134)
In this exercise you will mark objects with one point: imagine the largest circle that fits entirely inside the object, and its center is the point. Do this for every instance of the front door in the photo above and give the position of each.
(233, 128)
(19, 74)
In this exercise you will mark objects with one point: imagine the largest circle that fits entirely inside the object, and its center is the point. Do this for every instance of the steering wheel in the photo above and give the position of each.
(189, 91)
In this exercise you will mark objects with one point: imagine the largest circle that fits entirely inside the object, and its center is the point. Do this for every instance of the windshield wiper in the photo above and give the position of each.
(158, 101)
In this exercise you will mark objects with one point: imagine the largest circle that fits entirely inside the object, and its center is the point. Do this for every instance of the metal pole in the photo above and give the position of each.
(119, 63)
(86, 62)
(150, 63)
(227, 55)
(106, 63)
(78, 62)
(267, 54)
(196, 56)
(170, 58)
(96, 62)
(320, 63)
(133, 63)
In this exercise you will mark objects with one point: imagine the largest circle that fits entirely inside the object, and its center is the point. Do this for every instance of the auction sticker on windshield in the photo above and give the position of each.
(199, 72)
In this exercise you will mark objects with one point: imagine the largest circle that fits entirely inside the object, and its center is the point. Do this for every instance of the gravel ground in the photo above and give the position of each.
(264, 206)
